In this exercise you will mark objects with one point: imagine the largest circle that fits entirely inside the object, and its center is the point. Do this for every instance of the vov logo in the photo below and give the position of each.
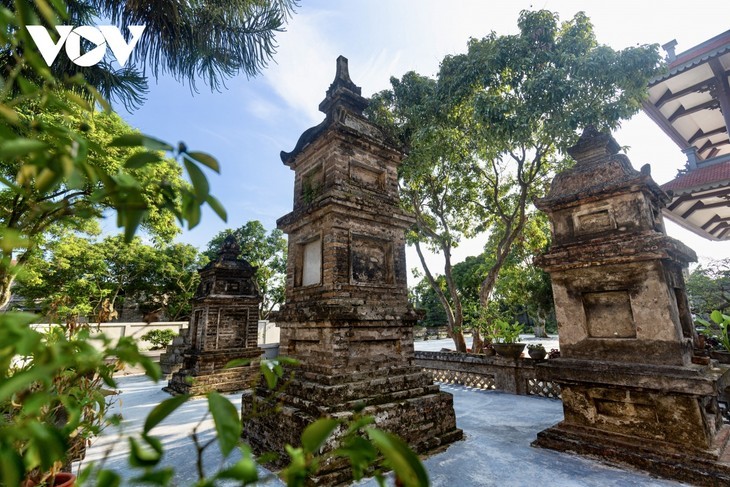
(102, 36)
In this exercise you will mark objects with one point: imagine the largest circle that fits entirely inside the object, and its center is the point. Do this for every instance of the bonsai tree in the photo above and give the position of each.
(159, 338)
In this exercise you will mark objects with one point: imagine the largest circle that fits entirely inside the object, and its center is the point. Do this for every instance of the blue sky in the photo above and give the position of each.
(247, 125)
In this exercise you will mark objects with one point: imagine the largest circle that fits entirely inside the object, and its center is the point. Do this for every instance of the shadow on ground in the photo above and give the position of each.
(496, 450)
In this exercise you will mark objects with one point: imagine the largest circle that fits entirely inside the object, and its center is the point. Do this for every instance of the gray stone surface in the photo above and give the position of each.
(635, 383)
(436, 345)
(496, 451)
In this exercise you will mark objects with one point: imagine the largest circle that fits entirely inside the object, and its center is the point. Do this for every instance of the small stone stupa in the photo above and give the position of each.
(347, 318)
(633, 392)
(223, 327)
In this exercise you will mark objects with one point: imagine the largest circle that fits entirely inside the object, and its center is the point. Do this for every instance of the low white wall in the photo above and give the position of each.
(137, 329)
(115, 331)
(268, 332)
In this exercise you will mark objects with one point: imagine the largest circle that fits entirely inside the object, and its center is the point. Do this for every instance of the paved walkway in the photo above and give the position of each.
(496, 452)
(436, 345)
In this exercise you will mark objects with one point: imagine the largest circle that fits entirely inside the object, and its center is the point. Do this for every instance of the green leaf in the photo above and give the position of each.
(361, 454)
(286, 360)
(155, 477)
(108, 478)
(716, 316)
(314, 435)
(141, 159)
(11, 467)
(11, 239)
(163, 410)
(227, 422)
(142, 457)
(237, 363)
(21, 147)
(406, 464)
(46, 445)
(127, 140)
(217, 207)
(206, 160)
(200, 182)
(137, 140)
(22, 379)
(269, 376)
(132, 219)
(244, 470)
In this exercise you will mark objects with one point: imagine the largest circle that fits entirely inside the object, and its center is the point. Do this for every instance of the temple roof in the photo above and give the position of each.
(691, 104)
(228, 258)
(343, 94)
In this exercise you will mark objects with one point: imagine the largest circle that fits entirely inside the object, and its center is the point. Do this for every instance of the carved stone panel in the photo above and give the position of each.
(594, 220)
(609, 315)
(367, 176)
(371, 260)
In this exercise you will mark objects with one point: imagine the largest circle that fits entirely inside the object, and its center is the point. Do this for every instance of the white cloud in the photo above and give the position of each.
(305, 63)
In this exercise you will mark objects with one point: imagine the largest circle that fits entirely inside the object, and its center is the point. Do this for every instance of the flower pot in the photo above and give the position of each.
(509, 350)
(537, 354)
(62, 479)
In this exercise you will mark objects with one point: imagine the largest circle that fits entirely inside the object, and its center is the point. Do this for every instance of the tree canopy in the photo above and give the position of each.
(485, 137)
(708, 287)
(72, 278)
(64, 162)
(178, 40)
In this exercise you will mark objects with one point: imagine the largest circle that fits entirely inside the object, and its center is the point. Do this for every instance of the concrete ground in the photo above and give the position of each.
(496, 451)
(436, 345)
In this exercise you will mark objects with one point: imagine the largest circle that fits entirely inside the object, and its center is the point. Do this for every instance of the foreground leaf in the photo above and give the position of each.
(227, 422)
(406, 464)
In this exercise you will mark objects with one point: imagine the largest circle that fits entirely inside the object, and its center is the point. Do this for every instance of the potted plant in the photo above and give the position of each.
(716, 336)
(536, 351)
(504, 337)
(55, 397)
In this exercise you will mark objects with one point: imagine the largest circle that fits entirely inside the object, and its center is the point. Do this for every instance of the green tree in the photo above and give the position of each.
(522, 289)
(57, 158)
(266, 252)
(485, 137)
(33, 205)
(708, 287)
(425, 299)
(173, 281)
(74, 279)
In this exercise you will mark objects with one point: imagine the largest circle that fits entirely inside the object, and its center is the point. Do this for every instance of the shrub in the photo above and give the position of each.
(159, 338)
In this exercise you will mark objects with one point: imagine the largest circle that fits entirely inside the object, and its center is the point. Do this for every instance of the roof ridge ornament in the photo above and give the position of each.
(343, 92)
(594, 147)
(229, 249)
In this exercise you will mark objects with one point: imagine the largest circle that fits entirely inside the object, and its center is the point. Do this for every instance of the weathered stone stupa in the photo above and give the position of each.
(223, 327)
(347, 318)
(632, 390)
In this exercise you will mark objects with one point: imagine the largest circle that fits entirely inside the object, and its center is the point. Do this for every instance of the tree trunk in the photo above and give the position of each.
(6, 282)
(540, 325)
(477, 344)
(455, 316)
(540, 330)
(459, 341)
